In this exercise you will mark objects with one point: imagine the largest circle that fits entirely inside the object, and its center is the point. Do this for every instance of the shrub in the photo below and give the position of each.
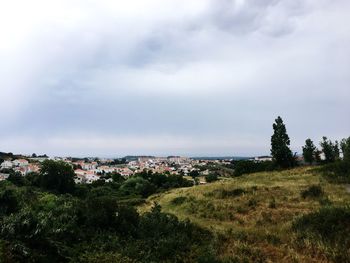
(166, 239)
(329, 225)
(222, 193)
(249, 253)
(103, 257)
(137, 186)
(57, 176)
(176, 180)
(178, 200)
(247, 167)
(9, 202)
(242, 209)
(336, 172)
(38, 233)
(17, 179)
(211, 178)
(273, 239)
(313, 191)
(252, 203)
(105, 213)
(325, 201)
(272, 203)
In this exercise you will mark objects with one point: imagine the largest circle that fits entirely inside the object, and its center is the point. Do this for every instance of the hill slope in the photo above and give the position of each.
(252, 216)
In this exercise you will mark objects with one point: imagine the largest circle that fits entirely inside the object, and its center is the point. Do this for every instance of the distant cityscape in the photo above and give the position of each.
(90, 169)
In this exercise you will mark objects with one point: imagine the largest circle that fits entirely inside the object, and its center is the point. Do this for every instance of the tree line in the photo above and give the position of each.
(283, 158)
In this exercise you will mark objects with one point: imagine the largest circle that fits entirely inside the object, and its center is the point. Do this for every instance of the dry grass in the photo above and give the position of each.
(253, 223)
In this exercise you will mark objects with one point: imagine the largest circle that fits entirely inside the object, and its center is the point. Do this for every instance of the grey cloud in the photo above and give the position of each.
(211, 80)
(270, 17)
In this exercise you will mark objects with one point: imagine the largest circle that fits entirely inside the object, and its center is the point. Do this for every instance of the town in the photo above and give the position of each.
(88, 170)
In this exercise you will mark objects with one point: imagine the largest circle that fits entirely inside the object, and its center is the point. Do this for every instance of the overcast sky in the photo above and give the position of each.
(187, 77)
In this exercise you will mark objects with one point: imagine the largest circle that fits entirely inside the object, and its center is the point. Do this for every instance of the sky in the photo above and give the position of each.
(171, 77)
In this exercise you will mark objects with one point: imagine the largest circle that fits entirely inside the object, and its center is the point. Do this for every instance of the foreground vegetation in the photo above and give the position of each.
(45, 217)
(295, 215)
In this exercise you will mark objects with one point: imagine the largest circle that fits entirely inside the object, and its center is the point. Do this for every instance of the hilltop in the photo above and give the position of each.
(268, 216)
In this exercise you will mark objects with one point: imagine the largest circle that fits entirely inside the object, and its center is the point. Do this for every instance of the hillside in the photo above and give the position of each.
(257, 217)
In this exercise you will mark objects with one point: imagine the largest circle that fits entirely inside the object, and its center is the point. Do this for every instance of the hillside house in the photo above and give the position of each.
(6, 165)
(20, 162)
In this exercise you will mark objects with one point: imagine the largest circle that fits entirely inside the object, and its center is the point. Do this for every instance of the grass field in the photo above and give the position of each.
(252, 216)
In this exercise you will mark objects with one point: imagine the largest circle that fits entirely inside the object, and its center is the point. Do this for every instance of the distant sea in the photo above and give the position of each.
(221, 158)
(135, 157)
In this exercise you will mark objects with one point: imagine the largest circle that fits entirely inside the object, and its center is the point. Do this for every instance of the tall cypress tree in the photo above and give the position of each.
(280, 151)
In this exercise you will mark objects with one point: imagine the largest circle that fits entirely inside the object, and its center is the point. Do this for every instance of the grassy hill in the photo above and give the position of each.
(289, 216)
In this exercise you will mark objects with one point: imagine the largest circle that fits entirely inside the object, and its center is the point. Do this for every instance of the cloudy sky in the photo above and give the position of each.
(188, 77)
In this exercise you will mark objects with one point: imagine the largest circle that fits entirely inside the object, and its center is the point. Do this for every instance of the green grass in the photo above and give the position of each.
(252, 215)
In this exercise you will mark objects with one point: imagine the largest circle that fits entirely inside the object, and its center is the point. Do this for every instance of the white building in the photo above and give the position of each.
(105, 169)
(89, 166)
(91, 178)
(20, 162)
(85, 178)
(125, 172)
(6, 164)
(80, 179)
(263, 158)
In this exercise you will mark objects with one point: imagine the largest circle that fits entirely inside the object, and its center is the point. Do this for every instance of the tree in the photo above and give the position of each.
(211, 177)
(246, 167)
(330, 150)
(103, 212)
(336, 150)
(137, 186)
(117, 177)
(345, 148)
(9, 201)
(309, 151)
(318, 156)
(194, 173)
(16, 178)
(57, 176)
(280, 151)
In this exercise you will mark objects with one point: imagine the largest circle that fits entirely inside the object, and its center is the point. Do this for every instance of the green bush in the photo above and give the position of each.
(57, 176)
(166, 239)
(329, 225)
(39, 232)
(17, 179)
(211, 178)
(272, 203)
(96, 226)
(222, 193)
(9, 202)
(164, 181)
(313, 191)
(178, 200)
(247, 167)
(137, 186)
(105, 213)
(104, 257)
(338, 172)
(252, 202)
